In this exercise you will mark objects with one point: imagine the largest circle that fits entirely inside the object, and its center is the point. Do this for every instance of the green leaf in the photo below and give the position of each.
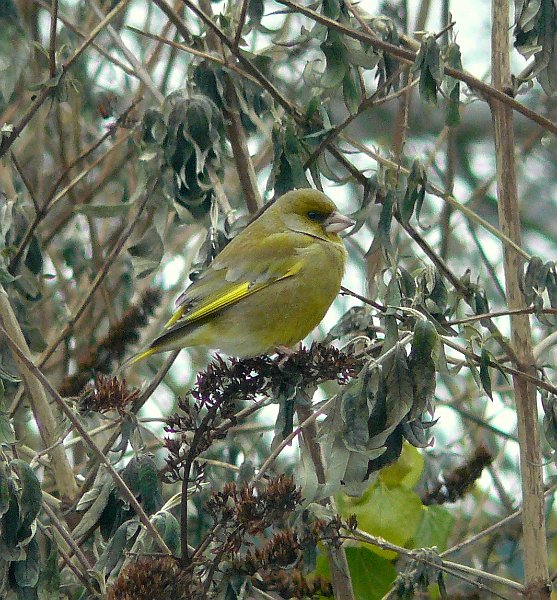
(7, 434)
(4, 489)
(94, 502)
(484, 372)
(4, 576)
(481, 304)
(147, 253)
(26, 572)
(360, 54)
(288, 170)
(452, 86)
(390, 512)
(10, 526)
(355, 414)
(153, 126)
(382, 237)
(372, 576)
(425, 337)
(331, 8)
(344, 467)
(415, 192)
(31, 496)
(114, 554)
(312, 107)
(34, 258)
(256, 10)
(429, 64)
(49, 579)
(400, 395)
(406, 471)
(35, 337)
(351, 92)
(336, 67)
(13, 36)
(549, 403)
(438, 296)
(434, 529)
(285, 420)
(422, 367)
(169, 528)
(551, 285)
(535, 32)
(535, 278)
(149, 485)
(130, 474)
(306, 476)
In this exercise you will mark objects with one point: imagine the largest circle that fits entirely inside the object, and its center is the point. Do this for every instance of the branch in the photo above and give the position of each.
(52, 43)
(126, 492)
(142, 73)
(450, 567)
(78, 312)
(492, 528)
(44, 417)
(79, 33)
(537, 582)
(53, 198)
(5, 143)
(338, 564)
(407, 56)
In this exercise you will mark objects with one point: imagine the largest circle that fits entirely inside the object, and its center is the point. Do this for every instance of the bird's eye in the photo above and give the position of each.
(316, 216)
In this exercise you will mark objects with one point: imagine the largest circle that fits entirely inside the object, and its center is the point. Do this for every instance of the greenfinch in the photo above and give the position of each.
(269, 287)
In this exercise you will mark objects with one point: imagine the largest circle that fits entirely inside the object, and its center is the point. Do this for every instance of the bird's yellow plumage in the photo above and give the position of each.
(269, 287)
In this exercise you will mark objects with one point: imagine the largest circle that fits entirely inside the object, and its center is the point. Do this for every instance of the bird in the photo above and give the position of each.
(269, 287)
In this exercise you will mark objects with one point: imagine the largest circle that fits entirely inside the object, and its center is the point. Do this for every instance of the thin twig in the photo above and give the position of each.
(52, 43)
(204, 55)
(8, 140)
(98, 48)
(492, 528)
(363, 536)
(53, 198)
(63, 406)
(241, 22)
(139, 68)
(409, 57)
(67, 537)
(42, 411)
(68, 561)
(78, 312)
(26, 182)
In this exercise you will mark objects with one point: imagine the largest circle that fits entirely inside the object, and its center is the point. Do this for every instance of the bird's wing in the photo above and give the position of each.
(236, 273)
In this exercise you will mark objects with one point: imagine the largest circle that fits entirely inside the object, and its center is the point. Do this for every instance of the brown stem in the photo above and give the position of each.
(42, 411)
(238, 140)
(338, 565)
(537, 585)
(52, 45)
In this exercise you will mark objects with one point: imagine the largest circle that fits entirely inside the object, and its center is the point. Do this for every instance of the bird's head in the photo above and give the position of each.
(312, 213)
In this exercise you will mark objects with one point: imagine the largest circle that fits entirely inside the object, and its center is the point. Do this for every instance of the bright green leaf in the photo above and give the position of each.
(434, 528)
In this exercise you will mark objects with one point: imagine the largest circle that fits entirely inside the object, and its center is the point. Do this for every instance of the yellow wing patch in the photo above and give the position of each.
(217, 302)
(140, 356)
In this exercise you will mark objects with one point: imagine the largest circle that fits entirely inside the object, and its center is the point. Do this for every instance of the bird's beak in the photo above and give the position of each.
(336, 222)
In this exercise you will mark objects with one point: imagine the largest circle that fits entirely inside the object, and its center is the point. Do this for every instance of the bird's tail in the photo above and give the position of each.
(138, 357)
